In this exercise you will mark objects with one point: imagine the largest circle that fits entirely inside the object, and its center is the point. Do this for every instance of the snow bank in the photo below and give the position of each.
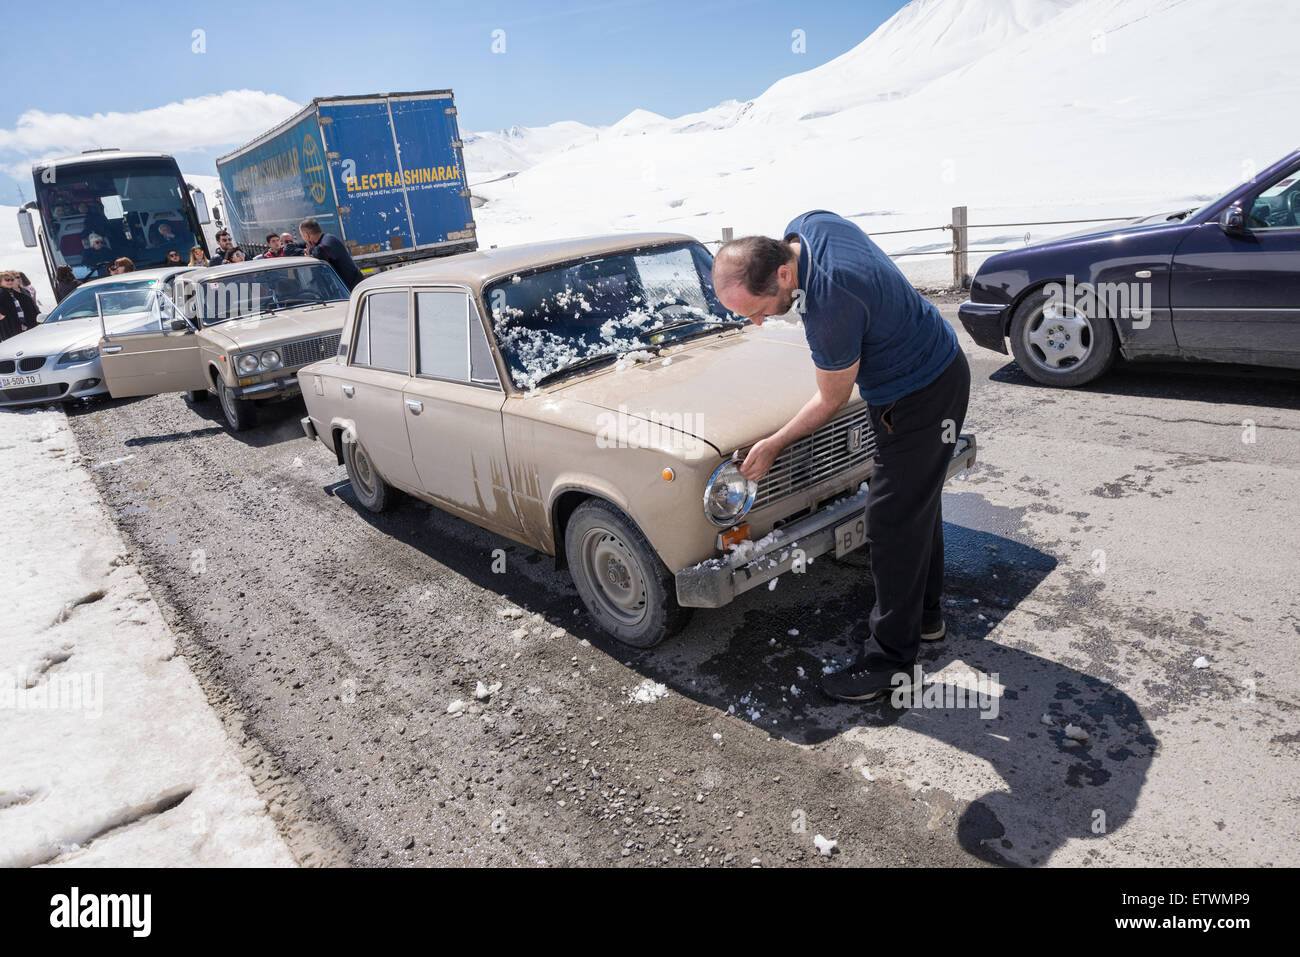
(112, 755)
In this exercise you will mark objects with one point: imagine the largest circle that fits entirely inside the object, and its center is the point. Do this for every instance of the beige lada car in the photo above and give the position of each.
(587, 398)
(241, 331)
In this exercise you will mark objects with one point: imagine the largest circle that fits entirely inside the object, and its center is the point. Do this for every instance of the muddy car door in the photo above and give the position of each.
(370, 397)
(453, 406)
(147, 346)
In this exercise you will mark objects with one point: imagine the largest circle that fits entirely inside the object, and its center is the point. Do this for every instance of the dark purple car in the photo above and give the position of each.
(1217, 284)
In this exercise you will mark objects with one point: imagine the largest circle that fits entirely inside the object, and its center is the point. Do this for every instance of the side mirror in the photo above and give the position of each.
(1233, 221)
(201, 206)
(180, 325)
(26, 228)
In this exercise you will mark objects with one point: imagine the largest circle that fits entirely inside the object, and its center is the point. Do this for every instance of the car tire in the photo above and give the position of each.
(194, 397)
(1058, 345)
(240, 415)
(374, 494)
(627, 589)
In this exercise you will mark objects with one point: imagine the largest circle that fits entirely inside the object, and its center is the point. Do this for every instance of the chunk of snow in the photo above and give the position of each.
(826, 847)
(648, 691)
(1075, 733)
(457, 707)
(1201, 662)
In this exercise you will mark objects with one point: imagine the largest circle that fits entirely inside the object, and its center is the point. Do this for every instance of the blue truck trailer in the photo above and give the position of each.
(384, 173)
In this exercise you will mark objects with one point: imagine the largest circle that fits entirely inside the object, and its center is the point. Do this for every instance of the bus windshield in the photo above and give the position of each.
(101, 210)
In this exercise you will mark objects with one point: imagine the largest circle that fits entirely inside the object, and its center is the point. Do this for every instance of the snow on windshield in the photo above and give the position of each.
(549, 319)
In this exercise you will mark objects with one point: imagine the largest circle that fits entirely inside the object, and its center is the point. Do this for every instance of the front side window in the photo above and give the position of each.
(1277, 206)
(382, 333)
(266, 291)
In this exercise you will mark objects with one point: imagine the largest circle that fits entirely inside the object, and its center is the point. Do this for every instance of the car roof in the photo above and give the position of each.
(161, 272)
(253, 265)
(475, 268)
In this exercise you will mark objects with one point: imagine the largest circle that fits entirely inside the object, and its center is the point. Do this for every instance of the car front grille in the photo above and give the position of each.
(33, 392)
(837, 447)
(308, 350)
(7, 366)
(30, 363)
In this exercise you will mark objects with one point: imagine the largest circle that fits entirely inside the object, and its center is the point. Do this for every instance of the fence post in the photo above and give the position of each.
(960, 247)
(728, 233)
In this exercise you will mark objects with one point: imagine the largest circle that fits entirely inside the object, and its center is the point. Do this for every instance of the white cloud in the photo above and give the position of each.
(194, 125)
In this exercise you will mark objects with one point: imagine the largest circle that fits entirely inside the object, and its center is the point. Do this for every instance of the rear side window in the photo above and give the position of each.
(450, 339)
(382, 333)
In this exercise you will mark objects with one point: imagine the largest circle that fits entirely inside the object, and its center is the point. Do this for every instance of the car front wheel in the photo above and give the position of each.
(1058, 344)
(240, 415)
(619, 577)
(371, 490)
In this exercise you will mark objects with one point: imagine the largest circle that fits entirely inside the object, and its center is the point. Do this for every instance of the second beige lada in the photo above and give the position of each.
(586, 398)
(241, 331)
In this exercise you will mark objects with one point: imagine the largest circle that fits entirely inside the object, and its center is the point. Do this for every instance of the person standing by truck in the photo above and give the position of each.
(328, 247)
(867, 326)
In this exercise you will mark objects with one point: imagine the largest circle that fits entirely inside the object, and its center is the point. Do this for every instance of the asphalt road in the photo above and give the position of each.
(1109, 538)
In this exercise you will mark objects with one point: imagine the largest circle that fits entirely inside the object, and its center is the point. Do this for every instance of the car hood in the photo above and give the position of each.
(50, 337)
(241, 334)
(1103, 231)
(729, 390)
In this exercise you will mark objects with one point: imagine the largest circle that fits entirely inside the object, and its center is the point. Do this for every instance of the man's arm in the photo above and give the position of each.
(833, 392)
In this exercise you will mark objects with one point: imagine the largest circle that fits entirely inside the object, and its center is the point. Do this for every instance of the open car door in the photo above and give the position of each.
(148, 346)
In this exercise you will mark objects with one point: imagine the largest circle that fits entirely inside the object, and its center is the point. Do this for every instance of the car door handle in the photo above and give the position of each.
(415, 407)
(110, 350)
(348, 391)
(1144, 273)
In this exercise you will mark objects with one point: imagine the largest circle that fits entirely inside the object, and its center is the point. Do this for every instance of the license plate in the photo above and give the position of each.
(851, 535)
(18, 381)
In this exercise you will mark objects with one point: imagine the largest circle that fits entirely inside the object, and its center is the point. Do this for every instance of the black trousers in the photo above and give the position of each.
(915, 441)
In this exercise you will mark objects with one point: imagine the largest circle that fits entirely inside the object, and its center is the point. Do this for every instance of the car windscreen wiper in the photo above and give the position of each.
(575, 366)
(683, 324)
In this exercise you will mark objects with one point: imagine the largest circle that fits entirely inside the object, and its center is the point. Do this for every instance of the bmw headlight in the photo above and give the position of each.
(79, 355)
(246, 364)
(270, 359)
(728, 495)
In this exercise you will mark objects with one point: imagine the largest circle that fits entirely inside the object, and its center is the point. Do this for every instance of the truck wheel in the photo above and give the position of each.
(240, 415)
(619, 577)
(1057, 344)
(371, 490)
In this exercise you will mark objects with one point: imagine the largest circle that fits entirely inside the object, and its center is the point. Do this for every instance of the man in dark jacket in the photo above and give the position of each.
(328, 247)
(224, 245)
(868, 328)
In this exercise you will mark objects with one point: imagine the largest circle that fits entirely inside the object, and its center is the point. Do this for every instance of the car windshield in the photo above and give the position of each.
(80, 304)
(267, 290)
(553, 318)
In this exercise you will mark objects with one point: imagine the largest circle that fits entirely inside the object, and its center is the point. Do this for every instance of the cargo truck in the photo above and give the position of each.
(385, 173)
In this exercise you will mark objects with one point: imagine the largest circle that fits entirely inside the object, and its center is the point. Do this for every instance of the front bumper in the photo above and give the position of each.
(986, 323)
(716, 582)
(58, 384)
(281, 386)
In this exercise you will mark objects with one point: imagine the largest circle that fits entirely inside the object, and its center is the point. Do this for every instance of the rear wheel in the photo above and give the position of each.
(240, 415)
(619, 577)
(372, 491)
(1058, 344)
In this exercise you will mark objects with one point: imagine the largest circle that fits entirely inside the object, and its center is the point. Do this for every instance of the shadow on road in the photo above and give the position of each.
(277, 422)
(1197, 382)
(744, 661)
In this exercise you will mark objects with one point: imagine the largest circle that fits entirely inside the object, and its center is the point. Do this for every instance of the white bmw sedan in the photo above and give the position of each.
(58, 360)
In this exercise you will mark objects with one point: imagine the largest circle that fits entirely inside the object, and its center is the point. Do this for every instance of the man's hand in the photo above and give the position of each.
(760, 458)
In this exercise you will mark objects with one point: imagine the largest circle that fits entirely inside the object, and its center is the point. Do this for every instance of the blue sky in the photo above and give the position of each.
(567, 60)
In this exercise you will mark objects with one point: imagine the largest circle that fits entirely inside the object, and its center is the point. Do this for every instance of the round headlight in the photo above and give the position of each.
(728, 495)
(270, 359)
(246, 364)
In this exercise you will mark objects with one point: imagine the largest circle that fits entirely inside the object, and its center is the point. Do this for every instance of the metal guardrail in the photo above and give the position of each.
(961, 249)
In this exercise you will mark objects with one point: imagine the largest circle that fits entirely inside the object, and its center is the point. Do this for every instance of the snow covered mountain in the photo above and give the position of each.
(1021, 109)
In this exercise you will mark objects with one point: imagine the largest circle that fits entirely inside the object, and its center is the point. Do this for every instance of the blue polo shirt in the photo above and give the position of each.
(858, 307)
